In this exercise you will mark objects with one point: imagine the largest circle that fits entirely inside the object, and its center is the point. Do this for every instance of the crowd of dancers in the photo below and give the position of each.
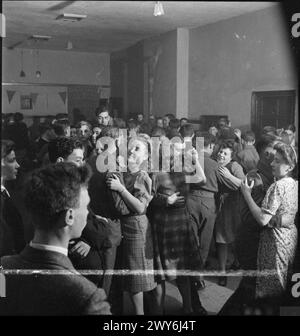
(70, 190)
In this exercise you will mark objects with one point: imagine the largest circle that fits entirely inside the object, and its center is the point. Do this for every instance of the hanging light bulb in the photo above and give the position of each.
(37, 73)
(22, 73)
(158, 9)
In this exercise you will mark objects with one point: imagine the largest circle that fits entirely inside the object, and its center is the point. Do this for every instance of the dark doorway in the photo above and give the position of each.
(272, 108)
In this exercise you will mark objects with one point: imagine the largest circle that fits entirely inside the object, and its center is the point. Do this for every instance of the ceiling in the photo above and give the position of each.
(110, 25)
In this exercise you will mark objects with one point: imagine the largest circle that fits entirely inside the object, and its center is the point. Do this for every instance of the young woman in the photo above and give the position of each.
(278, 239)
(228, 217)
(137, 236)
(173, 235)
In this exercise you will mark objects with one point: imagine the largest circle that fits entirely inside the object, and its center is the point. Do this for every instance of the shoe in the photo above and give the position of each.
(222, 281)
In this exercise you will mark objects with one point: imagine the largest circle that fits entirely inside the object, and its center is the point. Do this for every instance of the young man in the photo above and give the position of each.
(47, 134)
(103, 230)
(62, 128)
(66, 149)
(57, 198)
(166, 120)
(103, 117)
(159, 122)
(201, 202)
(183, 121)
(11, 225)
(248, 156)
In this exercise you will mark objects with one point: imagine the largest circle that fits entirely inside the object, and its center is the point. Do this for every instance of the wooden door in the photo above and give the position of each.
(272, 108)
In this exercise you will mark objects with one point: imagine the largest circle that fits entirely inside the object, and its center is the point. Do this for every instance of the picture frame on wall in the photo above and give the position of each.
(26, 102)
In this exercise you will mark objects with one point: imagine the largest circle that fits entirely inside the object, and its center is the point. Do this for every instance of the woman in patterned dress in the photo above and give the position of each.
(278, 239)
(173, 236)
(136, 230)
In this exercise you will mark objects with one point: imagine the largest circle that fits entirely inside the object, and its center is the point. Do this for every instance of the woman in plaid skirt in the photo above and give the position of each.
(137, 236)
(174, 239)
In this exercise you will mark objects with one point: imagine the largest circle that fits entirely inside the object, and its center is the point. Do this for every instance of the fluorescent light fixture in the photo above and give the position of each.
(158, 9)
(71, 17)
(40, 37)
(3, 26)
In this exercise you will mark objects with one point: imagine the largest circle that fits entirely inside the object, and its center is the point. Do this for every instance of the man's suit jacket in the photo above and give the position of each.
(12, 239)
(63, 294)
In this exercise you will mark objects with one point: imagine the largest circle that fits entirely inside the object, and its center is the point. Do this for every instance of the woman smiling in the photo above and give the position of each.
(278, 240)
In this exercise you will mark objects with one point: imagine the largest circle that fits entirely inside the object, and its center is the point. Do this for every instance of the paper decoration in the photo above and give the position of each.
(33, 97)
(10, 95)
(63, 96)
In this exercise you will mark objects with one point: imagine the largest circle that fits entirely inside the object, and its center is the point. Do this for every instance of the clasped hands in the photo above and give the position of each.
(176, 200)
(115, 184)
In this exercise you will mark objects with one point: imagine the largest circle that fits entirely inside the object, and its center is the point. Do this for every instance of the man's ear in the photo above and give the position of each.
(2, 162)
(60, 159)
(69, 217)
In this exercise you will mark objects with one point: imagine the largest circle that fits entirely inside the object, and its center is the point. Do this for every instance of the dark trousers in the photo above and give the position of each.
(203, 216)
(109, 259)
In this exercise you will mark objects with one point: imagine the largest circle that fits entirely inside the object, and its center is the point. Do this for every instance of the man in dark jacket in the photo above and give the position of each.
(11, 225)
(57, 199)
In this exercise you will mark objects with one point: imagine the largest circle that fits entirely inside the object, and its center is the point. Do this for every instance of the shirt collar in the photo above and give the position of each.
(52, 248)
(4, 189)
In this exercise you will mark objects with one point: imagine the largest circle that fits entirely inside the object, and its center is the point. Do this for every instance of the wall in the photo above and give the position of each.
(80, 73)
(164, 88)
(46, 102)
(57, 67)
(130, 70)
(135, 79)
(232, 58)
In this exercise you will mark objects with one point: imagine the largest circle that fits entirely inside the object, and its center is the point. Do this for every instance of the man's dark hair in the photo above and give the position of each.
(248, 136)
(187, 130)
(6, 147)
(170, 116)
(208, 138)
(52, 190)
(18, 116)
(174, 123)
(158, 132)
(227, 133)
(43, 127)
(266, 140)
(109, 131)
(62, 147)
(101, 109)
(132, 123)
(60, 127)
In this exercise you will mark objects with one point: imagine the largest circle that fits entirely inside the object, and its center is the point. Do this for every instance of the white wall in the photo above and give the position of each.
(57, 67)
(232, 58)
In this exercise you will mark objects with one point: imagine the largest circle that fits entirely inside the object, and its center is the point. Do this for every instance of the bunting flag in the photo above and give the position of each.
(10, 95)
(33, 97)
(63, 96)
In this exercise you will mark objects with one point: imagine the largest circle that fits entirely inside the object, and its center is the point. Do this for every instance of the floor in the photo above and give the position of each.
(212, 297)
